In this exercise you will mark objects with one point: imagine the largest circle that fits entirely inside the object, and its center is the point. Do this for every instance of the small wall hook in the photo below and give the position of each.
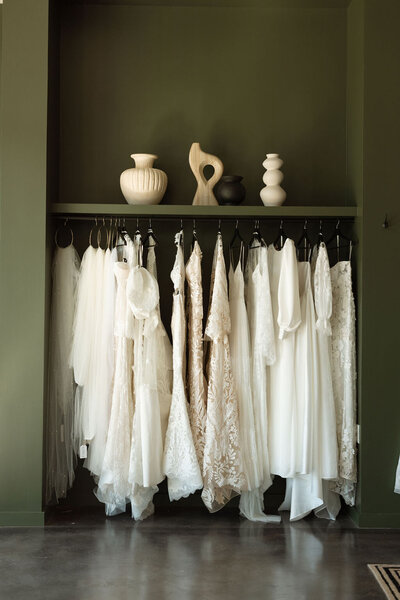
(385, 223)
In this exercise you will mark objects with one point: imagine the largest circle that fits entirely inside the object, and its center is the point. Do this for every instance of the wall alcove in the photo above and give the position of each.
(99, 80)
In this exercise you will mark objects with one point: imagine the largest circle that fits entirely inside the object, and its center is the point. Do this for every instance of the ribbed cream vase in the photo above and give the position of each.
(143, 184)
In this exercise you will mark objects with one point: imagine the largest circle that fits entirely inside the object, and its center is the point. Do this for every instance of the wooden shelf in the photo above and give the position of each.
(188, 210)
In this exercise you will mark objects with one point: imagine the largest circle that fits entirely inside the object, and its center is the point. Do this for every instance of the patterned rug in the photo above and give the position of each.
(388, 577)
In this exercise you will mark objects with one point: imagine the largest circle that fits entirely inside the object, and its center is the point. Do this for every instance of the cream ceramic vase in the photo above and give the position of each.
(143, 184)
(272, 194)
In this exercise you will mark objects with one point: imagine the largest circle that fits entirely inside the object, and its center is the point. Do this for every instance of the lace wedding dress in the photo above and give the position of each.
(197, 384)
(60, 452)
(180, 460)
(282, 373)
(397, 479)
(222, 466)
(344, 378)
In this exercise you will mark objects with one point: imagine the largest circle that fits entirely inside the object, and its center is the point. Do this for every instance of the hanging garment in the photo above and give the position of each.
(251, 499)
(327, 420)
(113, 487)
(397, 479)
(282, 374)
(104, 366)
(222, 467)
(164, 355)
(344, 378)
(60, 452)
(262, 335)
(146, 458)
(180, 460)
(197, 384)
(83, 334)
(305, 490)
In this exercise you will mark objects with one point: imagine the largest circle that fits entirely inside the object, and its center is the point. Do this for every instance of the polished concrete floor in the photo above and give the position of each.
(191, 555)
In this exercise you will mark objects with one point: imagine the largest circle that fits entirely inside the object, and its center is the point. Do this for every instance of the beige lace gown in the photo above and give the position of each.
(197, 385)
(222, 474)
(344, 378)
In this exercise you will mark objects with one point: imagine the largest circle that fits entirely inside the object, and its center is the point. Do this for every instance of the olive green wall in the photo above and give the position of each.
(380, 396)
(242, 81)
(22, 254)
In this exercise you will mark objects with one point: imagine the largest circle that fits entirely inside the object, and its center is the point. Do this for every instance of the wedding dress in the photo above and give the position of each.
(282, 373)
(262, 336)
(305, 489)
(180, 460)
(344, 378)
(197, 384)
(113, 486)
(251, 499)
(146, 457)
(397, 479)
(222, 466)
(60, 454)
(105, 365)
(164, 355)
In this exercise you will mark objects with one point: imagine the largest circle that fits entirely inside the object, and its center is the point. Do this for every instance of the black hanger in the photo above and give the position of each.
(320, 234)
(256, 240)
(219, 227)
(304, 243)
(65, 224)
(150, 241)
(339, 235)
(280, 240)
(194, 238)
(122, 232)
(236, 242)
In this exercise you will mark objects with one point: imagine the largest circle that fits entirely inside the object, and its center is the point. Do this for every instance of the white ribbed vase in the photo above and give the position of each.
(272, 194)
(143, 184)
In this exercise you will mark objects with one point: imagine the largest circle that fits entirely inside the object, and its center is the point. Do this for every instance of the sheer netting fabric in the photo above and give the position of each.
(60, 451)
(222, 465)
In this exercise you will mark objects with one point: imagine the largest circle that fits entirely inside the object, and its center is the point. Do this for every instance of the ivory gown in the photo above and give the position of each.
(180, 460)
(222, 466)
(196, 381)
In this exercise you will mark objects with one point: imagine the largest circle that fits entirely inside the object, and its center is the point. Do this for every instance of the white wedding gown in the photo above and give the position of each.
(180, 461)
(222, 467)
(60, 451)
(196, 381)
(104, 365)
(146, 468)
(305, 489)
(282, 426)
(262, 336)
(251, 499)
(113, 486)
(344, 378)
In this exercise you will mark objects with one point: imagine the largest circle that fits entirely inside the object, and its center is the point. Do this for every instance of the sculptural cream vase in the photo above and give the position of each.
(272, 194)
(143, 184)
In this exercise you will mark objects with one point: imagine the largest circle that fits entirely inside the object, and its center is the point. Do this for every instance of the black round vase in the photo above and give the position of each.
(229, 190)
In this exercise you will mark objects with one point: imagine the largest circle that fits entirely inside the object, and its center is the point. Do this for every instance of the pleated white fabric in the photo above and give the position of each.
(397, 479)
(60, 451)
